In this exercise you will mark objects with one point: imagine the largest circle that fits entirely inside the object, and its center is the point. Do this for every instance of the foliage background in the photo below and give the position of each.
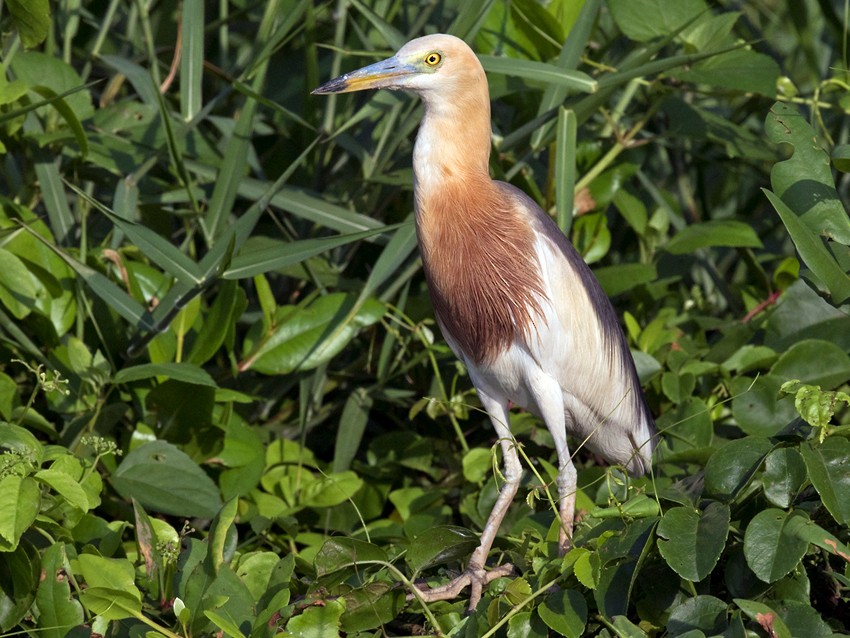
(226, 407)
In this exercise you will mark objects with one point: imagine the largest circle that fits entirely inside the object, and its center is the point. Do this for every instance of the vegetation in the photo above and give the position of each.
(227, 409)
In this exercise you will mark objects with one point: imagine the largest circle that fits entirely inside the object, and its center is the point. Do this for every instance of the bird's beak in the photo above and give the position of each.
(381, 75)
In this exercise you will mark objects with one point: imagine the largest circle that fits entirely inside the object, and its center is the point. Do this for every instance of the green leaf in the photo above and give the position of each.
(740, 70)
(19, 288)
(164, 479)
(228, 627)
(330, 490)
(32, 19)
(111, 604)
(185, 372)
(804, 181)
(370, 606)
(841, 157)
(784, 475)
(812, 251)
(645, 20)
(700, 613)
(58, 611)
(729, 233)
(308, 336)
(564, 612)
(20, 500)
(65, 485)
(732, 466)
(439, 545)
(21, 571)
(541, 72)
(694, 539)
(352, 425)
(317, 622)
(282, 254)
(814, 361)
(764, 616)
(618, 279)
(342, 553)
(829, 472)
(771, 551)
(759, 408)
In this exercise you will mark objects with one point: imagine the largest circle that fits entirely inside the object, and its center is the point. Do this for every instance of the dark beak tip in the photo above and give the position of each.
(332, 86)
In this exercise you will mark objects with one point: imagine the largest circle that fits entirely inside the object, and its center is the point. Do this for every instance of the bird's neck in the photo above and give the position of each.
(453, 142)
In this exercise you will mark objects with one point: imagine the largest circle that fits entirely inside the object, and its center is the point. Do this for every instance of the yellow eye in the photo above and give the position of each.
(433, 59)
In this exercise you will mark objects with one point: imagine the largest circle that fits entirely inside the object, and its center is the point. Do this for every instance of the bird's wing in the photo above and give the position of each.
(581, 344)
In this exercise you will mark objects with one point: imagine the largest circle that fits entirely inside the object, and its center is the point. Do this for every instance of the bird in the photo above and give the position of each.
(513, 299)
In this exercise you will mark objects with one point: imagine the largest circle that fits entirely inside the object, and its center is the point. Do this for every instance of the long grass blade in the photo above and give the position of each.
(565, 167)
(192, 58)
(283, 254)
(539, 72)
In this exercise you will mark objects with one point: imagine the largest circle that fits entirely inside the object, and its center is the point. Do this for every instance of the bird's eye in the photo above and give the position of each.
(433, 59)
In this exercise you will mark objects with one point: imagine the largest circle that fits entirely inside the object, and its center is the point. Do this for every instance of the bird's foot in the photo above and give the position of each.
(476, 578)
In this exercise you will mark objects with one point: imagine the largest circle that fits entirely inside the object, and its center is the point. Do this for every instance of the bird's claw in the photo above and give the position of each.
(476, 578)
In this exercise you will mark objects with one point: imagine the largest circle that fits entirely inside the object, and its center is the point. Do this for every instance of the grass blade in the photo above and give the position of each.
(192, 60)
(548, 74)
(565, 167)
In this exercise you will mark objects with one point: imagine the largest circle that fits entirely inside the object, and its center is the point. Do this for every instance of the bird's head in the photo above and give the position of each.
(432, 62)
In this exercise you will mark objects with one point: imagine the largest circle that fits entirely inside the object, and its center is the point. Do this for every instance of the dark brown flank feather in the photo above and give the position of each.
(480, 264)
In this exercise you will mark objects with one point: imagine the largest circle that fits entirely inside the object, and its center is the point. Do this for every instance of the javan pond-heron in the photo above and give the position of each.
(513, 298)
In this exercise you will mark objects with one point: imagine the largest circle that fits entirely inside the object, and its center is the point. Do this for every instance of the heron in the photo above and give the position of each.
(513, 299)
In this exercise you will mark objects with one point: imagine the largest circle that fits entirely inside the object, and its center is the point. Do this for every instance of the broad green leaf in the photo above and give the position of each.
(65, 485)
(308, 336)
(771, 551)
(814, 361)
(59, 612)
(20, 500)
(114, 573)
(218, 323)
(164, 479)
(370, 606)
(645, 20)
(713, 233)
(565, 612)
(22, 575)
(342, 553)
(764, 616)
(624, 277)
(813, 251)
(732, 466)
(111, 604)
(186, 372)
(804, 181)
(331, 490)
(740, 70)
(829, 472)
(802, 619)
(32, 19)
(318, 622)
(19, 288)
(784, 475)
(694, 539)
(841, 157)
(704, 613)
(227, 626)
(439, 545)
(759, 408)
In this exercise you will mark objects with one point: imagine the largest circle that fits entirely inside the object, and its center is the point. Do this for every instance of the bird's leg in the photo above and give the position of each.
(475, 576)
(550, 402)
(567, 486)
